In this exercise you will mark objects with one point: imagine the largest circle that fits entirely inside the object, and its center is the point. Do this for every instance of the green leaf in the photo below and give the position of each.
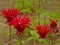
(26, 5)
(58, 5)
(6, 33)
(40, 10)
(44, 40)
(28, 39)
(1, 43)
(18, 42)
(25, 10)
(58, 41)
(27, 31)
(34, 34)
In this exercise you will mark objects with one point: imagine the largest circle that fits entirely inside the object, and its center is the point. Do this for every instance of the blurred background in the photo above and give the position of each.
(48, 8)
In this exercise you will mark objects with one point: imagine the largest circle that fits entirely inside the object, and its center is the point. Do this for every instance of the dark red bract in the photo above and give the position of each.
(53, 25)
(10, 14)
(20, 23)
(43, 30)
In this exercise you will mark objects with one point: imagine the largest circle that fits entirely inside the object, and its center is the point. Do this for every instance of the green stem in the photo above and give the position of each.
(44, 19)
(38, 18)
(20, 40)
(52, 42)
(39, 12)
(33, 41)
(10, 35)
(54, 39)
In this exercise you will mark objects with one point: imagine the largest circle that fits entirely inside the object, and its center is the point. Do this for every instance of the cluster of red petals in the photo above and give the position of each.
(20, 23)
(10, 14)
(43, 30)
(53, 26)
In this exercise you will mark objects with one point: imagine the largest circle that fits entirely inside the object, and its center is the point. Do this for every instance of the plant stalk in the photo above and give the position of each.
(10, 35)
(34, 41)
(20, 40)
(44, 19)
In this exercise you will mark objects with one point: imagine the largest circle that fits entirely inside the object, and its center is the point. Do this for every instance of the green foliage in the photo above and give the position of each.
(18, 42)
(34, 34)
(40, 10)
(58, 5)
(24, 5)
(27, 31)
(1, 43)
(6, 33)
(58, 41)
(46, 41)
(25, 10)
(28, 39)
(58, 44)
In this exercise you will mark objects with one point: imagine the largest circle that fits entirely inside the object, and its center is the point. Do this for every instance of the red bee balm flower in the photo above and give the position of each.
(20, 23)
(42, 30)
(53, 25)
(10, 14)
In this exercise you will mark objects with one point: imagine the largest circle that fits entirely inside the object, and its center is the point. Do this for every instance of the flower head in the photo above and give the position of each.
(10, 14)
(42, 30)
(53, 25)
(20, 23)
